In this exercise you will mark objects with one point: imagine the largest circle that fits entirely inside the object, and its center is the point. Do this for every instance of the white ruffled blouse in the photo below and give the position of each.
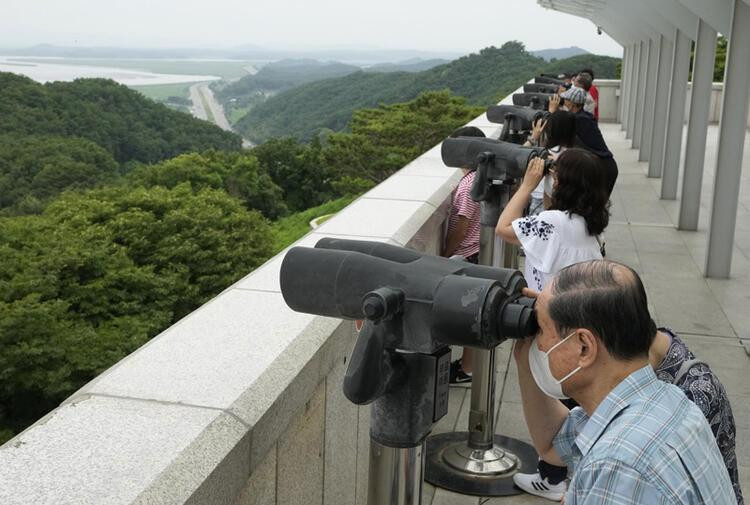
(551, 241)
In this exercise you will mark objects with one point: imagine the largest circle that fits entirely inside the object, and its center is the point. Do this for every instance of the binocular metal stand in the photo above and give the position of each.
(478, 462)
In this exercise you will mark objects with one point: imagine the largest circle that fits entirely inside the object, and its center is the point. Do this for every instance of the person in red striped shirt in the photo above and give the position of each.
(462, 239)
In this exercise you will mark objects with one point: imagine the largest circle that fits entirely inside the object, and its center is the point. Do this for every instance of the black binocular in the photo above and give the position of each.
(414, 306)
(517, 120)
(496, 162)
(540, 88)
(538, 101)
(543, 79)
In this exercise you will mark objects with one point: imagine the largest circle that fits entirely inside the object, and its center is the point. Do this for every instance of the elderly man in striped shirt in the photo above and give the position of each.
(634, 439)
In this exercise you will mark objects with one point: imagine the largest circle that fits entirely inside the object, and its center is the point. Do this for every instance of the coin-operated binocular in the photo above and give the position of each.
(499, 166)
(414, 305)
(540, 88)
(545, 79)
(517, 121)
(539, 101)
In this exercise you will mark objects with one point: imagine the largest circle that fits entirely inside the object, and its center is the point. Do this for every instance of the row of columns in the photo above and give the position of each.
(653, 96)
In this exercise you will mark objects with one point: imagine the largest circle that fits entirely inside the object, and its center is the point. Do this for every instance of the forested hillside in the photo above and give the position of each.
(483, 78)
(274, 78)
(121, 121)
(108, 255)
(415, 65)
(604, 67)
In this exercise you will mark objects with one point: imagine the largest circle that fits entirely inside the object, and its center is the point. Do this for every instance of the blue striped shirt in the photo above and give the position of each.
(645, 443)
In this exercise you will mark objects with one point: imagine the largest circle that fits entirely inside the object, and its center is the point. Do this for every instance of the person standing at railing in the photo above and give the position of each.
(585, 80)
(556, 134)
(462, 239)
(587, 131)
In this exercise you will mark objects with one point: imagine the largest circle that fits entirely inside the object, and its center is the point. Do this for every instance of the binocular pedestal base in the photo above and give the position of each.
(453, 465)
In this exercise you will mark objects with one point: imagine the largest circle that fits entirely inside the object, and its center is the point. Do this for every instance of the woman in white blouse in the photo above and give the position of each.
(565, 233)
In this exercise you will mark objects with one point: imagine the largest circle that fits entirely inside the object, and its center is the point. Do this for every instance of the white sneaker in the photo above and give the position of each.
(534, 484)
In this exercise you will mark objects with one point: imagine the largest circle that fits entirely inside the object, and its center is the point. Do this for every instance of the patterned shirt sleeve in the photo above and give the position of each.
(610, 481)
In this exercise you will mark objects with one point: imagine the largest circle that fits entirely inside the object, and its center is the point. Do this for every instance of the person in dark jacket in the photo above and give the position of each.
(587, 131)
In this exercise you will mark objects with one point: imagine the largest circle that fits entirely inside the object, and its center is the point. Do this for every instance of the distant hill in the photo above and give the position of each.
(560, 53)
(412, 65)
(483, 78)
(604, 67)
(280, 76)
(125, 123)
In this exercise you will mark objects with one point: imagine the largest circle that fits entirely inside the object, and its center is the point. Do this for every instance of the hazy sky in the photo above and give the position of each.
(296, 24)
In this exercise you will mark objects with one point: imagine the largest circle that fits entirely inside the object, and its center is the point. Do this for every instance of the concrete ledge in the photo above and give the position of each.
(110, 450)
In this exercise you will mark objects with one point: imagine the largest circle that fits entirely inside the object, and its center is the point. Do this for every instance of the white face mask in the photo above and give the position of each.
(540, 370)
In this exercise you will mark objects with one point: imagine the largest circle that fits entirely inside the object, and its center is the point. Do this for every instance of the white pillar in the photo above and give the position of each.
(641, 95)
(656, 160)
(732, 130)
(633, 92)
(622, 104)
(650, 99)
(700, 105)
(675, 116)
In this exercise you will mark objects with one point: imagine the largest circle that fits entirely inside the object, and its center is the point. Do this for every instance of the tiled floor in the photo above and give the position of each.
(712, 316)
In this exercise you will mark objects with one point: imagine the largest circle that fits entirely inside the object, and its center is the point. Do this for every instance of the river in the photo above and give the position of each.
(46, 72)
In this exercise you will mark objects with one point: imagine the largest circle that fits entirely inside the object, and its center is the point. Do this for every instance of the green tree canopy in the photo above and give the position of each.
(36, 168)
(384, 139)
(239, 174)
(99, 273)
(122, 121)
(298, 169)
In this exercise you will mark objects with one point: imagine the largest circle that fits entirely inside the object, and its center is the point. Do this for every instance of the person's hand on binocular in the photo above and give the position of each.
(534, 174)
(537, 129)
(554, 103)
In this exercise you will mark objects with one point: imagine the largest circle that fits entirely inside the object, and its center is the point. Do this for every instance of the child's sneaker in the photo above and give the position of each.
(534, 484)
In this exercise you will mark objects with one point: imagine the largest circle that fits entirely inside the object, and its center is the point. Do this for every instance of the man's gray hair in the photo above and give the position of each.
(609, 299)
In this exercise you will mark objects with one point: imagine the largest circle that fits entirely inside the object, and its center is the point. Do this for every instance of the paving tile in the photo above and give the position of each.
(744, 472)
(511, 423)
(445, 497)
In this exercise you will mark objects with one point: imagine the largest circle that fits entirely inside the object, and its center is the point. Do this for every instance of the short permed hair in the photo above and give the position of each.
(608, 299)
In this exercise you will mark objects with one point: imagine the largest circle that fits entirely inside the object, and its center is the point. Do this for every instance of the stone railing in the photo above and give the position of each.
(238, 403)
(609, 96)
